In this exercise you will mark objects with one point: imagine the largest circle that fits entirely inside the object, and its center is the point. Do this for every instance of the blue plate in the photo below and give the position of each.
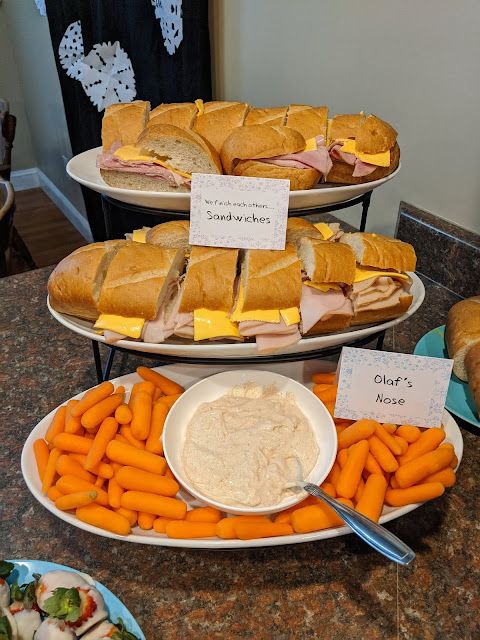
(459, 399)
(24, 570)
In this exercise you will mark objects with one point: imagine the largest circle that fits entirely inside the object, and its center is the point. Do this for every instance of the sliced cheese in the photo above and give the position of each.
(362, 274)
(378, 159)
(131, 327)
(259, 315)
(200, 106)
(330, 286)
(290, 316)
(311, 144)
(131, 153)
(213, 324)
(139, 235)
(324, 230)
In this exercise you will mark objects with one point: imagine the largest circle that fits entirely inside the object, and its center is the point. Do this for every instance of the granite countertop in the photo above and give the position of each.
(335, 589)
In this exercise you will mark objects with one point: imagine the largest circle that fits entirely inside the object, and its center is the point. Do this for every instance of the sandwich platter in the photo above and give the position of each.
(223, 349)
(186, 376)
(84, 170)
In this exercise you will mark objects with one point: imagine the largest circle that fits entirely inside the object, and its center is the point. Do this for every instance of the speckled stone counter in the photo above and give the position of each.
(333, 589)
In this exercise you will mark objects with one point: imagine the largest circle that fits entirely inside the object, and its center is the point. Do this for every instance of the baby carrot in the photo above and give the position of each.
(145, 520)
(389, 428)
(130, 515)
(371, 500)
(120, 438)
(139, 480)
(359, 491)
(57, 425)
(359, 430)
(402, 443)
(329, 488)
(183, 530)
(154, 440)
(332, 477)
(102, 469)
(157, 394)
(123, 415)
(120, 389)
(53, 493)
(128, 455)
(42, 452)
(445, 476)
(72, 423)
(72, 484)
(326, 395)
(428, 441)
(115, 492)
(339, 428)
(104, 435)
(94, 416)
(408, 432)
(418, 493)
(330, 407)
(169, 401)
(204, 514)
(73, 443)
(91, 397)
(126, 432)
(74, 500)
(68, 466)
(153, 503)
(324, 378)
(382, 454)
(351, 473)
(393, 482)
(342, 456)
(388, 440)
(249, 529)
(224, 529)
(142, 415)
(50, 469)
(160, 524)
(416, 470)
(320, 387)
(103, 518)
(169, 474)
(133, 393)
(316, 517)
(372, 466)
(168, 387)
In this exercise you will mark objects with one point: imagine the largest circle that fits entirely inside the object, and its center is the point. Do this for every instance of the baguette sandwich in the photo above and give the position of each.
(123, 123)
(298, 228)
(362, 148)
(216, 120)
(381, 286)
(170, 234)
(178, 114)
(162, 159)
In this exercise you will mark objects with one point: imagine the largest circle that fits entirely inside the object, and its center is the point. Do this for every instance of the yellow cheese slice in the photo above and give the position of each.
(378, 159)
(290, 316)
(311, 144)
(131, 327)
(331, 286)
(131, 153)
(139, 235)
(362, 274)
(200, 107)
(324, 230)
(213, 324)
(259, 315)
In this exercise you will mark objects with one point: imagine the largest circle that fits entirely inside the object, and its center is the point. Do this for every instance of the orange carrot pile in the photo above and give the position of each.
(102, 459)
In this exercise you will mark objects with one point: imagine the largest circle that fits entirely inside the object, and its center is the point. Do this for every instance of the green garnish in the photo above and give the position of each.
(64, 604)
(29, 597)
(5, 629)
(122, 633)
(16, 593)
(6, 569)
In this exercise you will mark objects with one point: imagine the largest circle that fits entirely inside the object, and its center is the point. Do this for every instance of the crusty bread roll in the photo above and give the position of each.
(170, 234)
(381, 252)
(298, 228)
(472, 367)
(180, 114)
(345, 125)
(375, 136)
(271, 279)
(326, 262)
(139, 182)
(309, 121)
(341, 172)
(137, 280)
(210, 279)
(218, 120)
(371, 316)
(462, 332)
(275, 116)
(123, 123)
(300, 179)
(74, 285)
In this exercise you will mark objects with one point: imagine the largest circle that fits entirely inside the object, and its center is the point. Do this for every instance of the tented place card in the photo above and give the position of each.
(243, 213)
(392, 387)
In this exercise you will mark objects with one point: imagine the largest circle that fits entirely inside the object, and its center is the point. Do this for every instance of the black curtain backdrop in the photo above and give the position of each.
(159, 76)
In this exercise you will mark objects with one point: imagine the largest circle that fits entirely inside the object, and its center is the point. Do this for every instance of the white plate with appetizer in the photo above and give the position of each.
(83, 169)
(51, 600)
(188, 376)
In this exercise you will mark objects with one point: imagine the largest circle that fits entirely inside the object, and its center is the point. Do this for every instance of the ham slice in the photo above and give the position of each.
(378, 292)
(112, 336)
(267, 343)
(318, 159)
(360, 168)
(316, 305)
(184, 325)
(109, 161)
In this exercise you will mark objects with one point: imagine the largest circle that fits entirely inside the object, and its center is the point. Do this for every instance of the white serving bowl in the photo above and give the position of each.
(210, 389)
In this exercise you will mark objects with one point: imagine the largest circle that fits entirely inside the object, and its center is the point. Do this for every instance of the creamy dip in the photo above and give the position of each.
(248, 446)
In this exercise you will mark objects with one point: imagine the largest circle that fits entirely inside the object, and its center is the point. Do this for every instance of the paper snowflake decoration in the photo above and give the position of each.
(169, 12)
(71, 51)
(41, 7)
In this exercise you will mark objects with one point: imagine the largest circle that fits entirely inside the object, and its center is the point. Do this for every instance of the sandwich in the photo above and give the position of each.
(275, 116)
(179, 114)
(267, 151)
(162, 159)
(216, 120)
(328, 272)
(174, 233)
(381, 286)
(362, 148)
(268, 298)
(298, 228)
(309, 121)
(123, 123)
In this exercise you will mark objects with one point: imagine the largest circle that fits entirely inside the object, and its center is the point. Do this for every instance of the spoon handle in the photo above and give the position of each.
(372, 533)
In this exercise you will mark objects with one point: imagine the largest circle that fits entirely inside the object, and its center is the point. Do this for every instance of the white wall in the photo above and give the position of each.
(415, 63)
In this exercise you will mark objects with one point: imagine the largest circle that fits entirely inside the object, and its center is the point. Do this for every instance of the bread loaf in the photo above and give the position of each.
(472, 367)
(462, 332)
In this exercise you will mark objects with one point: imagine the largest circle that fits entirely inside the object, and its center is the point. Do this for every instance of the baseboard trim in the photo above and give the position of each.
(25, 179)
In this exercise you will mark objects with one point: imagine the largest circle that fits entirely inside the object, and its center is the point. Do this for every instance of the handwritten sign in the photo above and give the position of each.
(244, 213)
(392, 387)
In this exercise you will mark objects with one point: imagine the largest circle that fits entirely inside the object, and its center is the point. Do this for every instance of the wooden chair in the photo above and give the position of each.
(8, 123)
(7, 209)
